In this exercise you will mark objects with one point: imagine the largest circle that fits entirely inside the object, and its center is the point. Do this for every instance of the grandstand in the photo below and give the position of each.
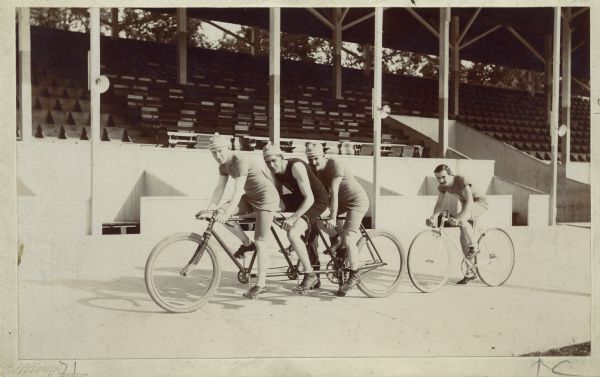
(145, 101)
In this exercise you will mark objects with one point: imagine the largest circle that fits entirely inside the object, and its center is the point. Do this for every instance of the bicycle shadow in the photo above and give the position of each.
(230, 291)
(129, 293)
(115, 294)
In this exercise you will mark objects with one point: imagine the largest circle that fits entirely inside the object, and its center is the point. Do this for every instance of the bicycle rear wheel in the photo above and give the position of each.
(428, 261)
(496, 258)
(379, 263)
(169, 287)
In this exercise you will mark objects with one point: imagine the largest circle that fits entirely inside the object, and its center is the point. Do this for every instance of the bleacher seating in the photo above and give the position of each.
(228, 93)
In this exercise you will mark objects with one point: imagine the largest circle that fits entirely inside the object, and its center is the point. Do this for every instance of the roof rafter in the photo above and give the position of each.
(526, 44)
(226, 31)
(469, 24)
(482, 35)
(321, 18)
(427, 25)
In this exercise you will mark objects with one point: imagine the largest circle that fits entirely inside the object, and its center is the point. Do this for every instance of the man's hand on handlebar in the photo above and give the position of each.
(222, 216)
(429, 221)
(288, 223)
(330, 224)
(452, 221)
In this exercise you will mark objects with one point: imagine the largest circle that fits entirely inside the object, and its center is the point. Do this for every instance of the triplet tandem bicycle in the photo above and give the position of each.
(430, 260)
(183, 270)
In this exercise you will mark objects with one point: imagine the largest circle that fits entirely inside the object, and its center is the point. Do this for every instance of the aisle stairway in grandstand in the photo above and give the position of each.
(228, 93)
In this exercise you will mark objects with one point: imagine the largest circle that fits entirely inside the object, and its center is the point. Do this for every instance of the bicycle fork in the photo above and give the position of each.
(197, 254)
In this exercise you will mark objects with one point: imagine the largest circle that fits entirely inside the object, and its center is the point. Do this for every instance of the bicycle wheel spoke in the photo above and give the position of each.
(428, 261)
(380, 264)
(496, 257)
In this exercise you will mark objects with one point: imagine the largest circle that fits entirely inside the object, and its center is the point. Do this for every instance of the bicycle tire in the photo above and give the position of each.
(383, 280)
(429, 261)
(495, 263)
(183, 288)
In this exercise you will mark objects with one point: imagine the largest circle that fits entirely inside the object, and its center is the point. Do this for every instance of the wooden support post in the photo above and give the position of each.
(93, 76)
(565, 155)
(444, 47)
(554, 111)
(337, 52)
(182, 45)
(376, 104)
(367, 59)
(455, 78)
(114, 22)
(274, 74)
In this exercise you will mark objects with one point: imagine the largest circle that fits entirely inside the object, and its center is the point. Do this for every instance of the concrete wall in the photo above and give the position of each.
(427, 126)
(45, 223)
(126, 173)
(574, 203)
(511, 163)
(529, 212)
(406, 214)
(161, 216)
(580, 171)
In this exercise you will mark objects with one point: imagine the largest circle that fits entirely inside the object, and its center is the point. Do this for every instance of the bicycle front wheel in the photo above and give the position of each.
(496, 258)
(170, 285)
(428, 261)
(379, 263)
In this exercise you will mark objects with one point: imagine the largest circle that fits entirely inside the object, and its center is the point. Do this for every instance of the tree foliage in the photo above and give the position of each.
(293, 46)
(156, 27)
(133, 23)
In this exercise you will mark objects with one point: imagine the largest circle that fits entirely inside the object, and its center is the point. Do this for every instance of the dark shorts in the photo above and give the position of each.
(292, 203)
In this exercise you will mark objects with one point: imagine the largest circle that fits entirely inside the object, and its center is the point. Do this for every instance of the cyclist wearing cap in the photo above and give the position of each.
(308, 199)
(260, 197)
(474, 204)
(346, 195)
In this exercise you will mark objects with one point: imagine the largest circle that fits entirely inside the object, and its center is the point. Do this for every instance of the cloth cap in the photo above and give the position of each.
(271, 149)
(218, 141)
(314, 150)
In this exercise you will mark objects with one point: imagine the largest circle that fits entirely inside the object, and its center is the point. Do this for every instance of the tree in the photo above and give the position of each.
(134, 23)
(495, 75)
(293, 46)
(156, 27)
(72, 19)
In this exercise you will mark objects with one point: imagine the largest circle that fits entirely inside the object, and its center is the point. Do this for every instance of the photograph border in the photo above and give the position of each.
(11, 364)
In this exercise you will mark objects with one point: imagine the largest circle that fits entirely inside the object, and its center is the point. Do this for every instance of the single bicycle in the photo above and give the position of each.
(430, 260)
(183, 271)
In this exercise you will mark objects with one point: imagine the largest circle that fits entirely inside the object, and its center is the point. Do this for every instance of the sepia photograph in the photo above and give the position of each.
(298, 188)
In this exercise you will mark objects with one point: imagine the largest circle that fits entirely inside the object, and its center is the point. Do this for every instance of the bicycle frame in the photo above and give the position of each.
(292, 268)
(449, 242)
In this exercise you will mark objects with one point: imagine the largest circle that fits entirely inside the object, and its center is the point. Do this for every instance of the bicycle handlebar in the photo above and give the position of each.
(209, 214)
(443, 217)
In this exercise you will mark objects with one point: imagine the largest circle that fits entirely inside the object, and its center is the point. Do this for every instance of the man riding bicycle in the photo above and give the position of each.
(347, 196)
(253, 192)
(308, 199)
(474, 204)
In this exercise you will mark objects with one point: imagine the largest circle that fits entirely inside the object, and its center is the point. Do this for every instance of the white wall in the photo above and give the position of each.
(161, 216)
(579, 171)
(521, 201)
(511, 163)
(128, 172)
(45, 225)
(574, 202)
(427, 126)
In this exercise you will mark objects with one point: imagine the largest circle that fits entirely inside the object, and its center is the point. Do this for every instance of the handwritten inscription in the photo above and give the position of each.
(30, 369)
(561, 368)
